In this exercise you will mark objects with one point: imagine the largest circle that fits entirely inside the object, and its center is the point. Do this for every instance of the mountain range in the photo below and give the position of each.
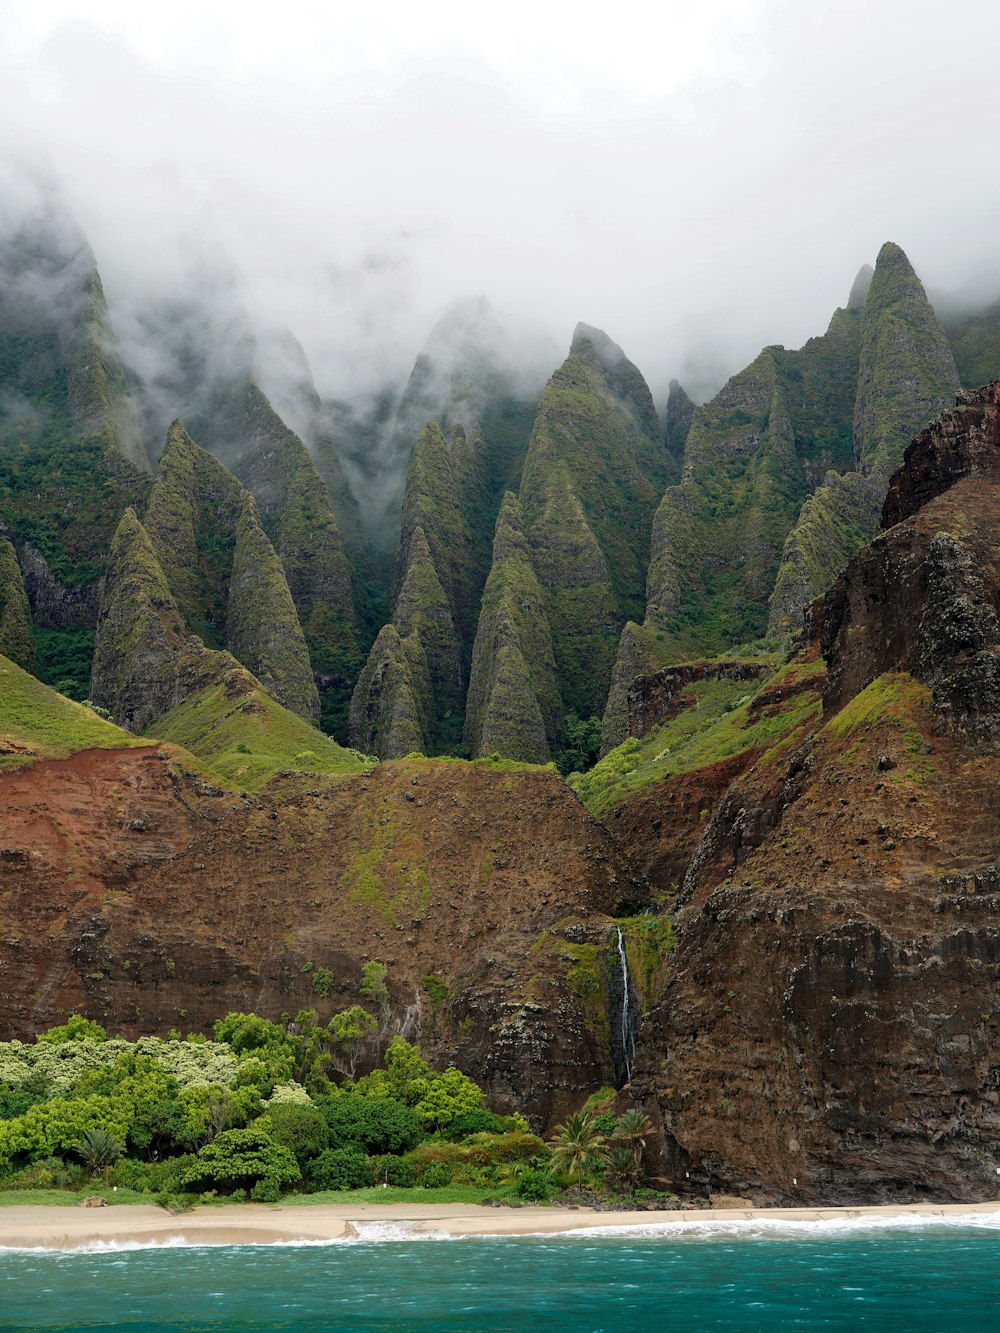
(503, 679)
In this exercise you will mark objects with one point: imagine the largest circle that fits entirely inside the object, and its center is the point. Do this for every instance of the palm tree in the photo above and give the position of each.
(98, 1150)
(622, 1167)
(631, 1127)
(578, 1144)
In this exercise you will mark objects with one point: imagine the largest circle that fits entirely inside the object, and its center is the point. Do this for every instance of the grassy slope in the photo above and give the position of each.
(215, 727)
(53, 727)
(722, 723)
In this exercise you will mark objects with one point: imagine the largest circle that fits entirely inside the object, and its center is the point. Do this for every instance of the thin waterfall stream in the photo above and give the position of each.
(627, 1023)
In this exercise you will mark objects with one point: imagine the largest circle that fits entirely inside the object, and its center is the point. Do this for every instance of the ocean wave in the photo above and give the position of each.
(773, 1228)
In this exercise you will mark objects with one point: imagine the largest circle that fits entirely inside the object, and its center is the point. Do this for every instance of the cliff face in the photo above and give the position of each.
(262, 627)
(514, 707)
(221, 905)
(594, 472)
(144, 662)
(906, 375)
(828, 1030)
(277, 468)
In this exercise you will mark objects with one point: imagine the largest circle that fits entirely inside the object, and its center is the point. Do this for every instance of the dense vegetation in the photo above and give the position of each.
(266, 1108)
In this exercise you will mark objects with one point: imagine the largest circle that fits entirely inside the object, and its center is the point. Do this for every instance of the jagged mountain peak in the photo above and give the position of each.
(859, 288)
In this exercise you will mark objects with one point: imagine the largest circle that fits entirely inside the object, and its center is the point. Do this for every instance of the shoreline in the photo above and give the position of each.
(48, 1227)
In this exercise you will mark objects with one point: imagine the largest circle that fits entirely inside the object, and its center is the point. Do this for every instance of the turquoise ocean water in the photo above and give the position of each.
(750, 1276)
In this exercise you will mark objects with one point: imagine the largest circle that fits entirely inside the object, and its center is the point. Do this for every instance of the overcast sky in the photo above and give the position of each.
(697, 179)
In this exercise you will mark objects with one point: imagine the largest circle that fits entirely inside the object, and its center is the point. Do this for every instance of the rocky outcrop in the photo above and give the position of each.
(15, 613)
(262, 627)
(924, 596)
(144, 662)
(514, 707)
(906, 374)
(53, 604)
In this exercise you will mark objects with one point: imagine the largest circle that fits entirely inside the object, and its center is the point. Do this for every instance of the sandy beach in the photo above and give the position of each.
(248, 1224)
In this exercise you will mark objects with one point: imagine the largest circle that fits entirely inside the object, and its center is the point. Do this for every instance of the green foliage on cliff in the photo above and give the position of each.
(245, 737)
(262, 626)
(15, 614)
(387, 707)
(65, 659)
(907, 374)
(723, 721)
(752, 455)
(35, 721)
(70, 453)
(838, 519)
(297, 516)
(191, 519)
(592, 478)
(514, 707)
(975, 345)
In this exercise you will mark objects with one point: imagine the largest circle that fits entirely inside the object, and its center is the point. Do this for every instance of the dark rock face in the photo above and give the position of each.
(828, 1030)
(924, 596)
(54, 606)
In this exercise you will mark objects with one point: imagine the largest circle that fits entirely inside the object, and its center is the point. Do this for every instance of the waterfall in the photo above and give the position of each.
(626, 1019)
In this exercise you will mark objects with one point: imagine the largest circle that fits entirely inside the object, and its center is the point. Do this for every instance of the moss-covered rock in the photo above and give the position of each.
(594, 471)
(907, 373)
(15, 614)
(906, 376)
(191, 519)
(262, 626)
(514, 708)
(838, 519)
(298, 517)
(680, 411)
(70, 455)
(386, 717)
(144, 661)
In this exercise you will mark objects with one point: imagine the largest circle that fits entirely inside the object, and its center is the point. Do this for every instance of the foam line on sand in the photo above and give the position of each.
(128, 1225)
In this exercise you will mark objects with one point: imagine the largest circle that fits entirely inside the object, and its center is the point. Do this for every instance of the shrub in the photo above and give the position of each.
(266, 1190)
(377, 1125)
(339, 1169)
(299, 1128)
(536, 1184)
(435, 1176)
(241, 1158)
(389, 1170)
(474, 1122)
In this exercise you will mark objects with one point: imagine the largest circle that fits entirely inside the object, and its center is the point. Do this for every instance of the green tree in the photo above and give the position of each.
(239, 1159)
(578, 1145)
(349, 1032)
(76, 1028)
(299, 1128)
(98, 1150)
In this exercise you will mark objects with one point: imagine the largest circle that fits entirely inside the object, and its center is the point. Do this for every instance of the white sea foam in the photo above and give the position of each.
(668, 1228)
(707, 1227)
